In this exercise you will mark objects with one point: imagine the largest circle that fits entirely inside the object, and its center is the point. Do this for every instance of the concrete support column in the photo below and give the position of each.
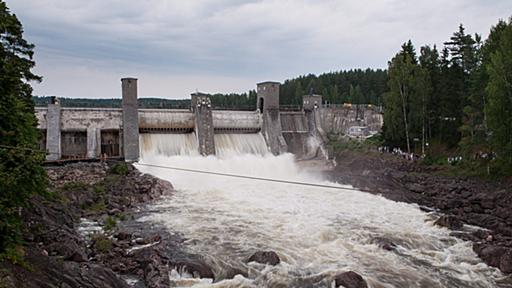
(268, 105)
(53, 140)
(130, 120)
(92, 142)
(202, 107)
(98, 142)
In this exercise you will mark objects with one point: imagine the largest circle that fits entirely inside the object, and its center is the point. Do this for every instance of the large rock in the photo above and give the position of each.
(506, 262)
(450, 222)
(52, 272)
(350, 279)
(265, 257)
(384, 243)
(496, 256)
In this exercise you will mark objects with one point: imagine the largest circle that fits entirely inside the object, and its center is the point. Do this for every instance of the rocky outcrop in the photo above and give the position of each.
(265, 257)
(350, 279)
(494, 255)
(450, 222)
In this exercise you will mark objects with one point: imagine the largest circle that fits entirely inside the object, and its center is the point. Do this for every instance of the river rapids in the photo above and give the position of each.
(317, 232)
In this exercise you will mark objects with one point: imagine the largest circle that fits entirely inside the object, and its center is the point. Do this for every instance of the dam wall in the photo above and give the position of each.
(337, 119)
(85, 133)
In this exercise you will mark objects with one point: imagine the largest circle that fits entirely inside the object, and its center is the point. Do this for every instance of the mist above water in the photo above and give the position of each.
(316, 232)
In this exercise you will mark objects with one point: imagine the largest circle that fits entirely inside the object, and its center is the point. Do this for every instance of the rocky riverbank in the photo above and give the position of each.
(462, 200)
(84, 235)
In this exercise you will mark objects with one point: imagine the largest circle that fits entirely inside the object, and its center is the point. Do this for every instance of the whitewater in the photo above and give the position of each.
(317, 232)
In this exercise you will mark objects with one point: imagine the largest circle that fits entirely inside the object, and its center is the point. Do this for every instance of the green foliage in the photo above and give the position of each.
(110, 223)
(345, 144)
(461, 98)
(375, 140)
(499, 97)
(74, 186)
(350, 86)
(405, 104)
(120, 168)
(99, 189)
(21, 173)
(102, 243)
(98, 206)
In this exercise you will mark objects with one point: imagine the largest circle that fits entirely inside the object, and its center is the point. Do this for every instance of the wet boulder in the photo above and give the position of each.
(449, 221)
(195, 267)
(506, 262)
(350, 279)
(496, 256)
(384, 243)
(265, 257)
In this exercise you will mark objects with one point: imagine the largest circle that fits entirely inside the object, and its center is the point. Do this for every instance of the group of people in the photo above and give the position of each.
(398, 152)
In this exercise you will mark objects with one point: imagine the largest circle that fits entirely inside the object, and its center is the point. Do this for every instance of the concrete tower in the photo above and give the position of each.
(268, 105)
(202, 108)
(53, 136)
(268, 95)
(130, 120)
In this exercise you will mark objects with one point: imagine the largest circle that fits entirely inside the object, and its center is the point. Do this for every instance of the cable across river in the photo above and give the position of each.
(249, 177)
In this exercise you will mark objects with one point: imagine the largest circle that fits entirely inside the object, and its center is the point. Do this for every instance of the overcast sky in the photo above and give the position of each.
(174, 47)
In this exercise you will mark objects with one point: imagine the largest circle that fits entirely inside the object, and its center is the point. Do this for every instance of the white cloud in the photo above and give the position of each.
(233, 39)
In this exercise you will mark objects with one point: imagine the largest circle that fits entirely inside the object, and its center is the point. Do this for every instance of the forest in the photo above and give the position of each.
(458, 98)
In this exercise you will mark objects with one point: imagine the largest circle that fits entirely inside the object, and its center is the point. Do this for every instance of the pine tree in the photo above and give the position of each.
(21, 174)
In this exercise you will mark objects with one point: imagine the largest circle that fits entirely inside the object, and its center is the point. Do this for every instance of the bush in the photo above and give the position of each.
(102, 243)
(120, 169)
(110, 223)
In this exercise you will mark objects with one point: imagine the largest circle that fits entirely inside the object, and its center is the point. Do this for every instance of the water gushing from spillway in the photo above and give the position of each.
(316, 232)
(168, 144)
(227, 145)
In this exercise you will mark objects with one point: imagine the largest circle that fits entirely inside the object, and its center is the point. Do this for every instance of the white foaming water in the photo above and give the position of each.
(168, 144)
(315, 231)
(227, 145)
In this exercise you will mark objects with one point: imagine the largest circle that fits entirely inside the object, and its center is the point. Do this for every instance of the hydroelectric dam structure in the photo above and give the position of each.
(92, 133)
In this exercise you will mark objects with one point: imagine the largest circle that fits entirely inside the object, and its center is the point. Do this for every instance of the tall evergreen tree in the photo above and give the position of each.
(21, 174)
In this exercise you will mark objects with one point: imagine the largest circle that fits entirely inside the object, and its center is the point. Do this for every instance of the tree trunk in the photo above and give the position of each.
(423, 126)
(403, 95)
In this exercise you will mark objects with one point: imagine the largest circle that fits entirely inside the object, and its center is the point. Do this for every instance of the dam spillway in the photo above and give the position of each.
(93, 133)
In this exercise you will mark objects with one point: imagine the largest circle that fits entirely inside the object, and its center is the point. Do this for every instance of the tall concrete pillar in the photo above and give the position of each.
(92, 142)
(53, 139)
(268, 105)
(202, 107)
(130, 120)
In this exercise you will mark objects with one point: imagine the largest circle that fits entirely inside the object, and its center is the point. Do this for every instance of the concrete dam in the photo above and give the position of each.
(80, 133)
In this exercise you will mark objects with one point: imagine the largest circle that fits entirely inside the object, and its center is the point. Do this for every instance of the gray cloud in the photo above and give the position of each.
(227, 45)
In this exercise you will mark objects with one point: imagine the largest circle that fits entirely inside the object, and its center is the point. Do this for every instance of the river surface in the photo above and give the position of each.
(317, 232)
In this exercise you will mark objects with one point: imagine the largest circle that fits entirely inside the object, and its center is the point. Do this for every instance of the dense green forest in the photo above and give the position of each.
(459, 97)
(352, 86)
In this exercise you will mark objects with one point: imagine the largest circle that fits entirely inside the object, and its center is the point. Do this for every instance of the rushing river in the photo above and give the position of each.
(316, 232)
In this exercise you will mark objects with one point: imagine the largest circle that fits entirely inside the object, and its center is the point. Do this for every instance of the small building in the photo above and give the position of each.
(358, 131)
(310, 102)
